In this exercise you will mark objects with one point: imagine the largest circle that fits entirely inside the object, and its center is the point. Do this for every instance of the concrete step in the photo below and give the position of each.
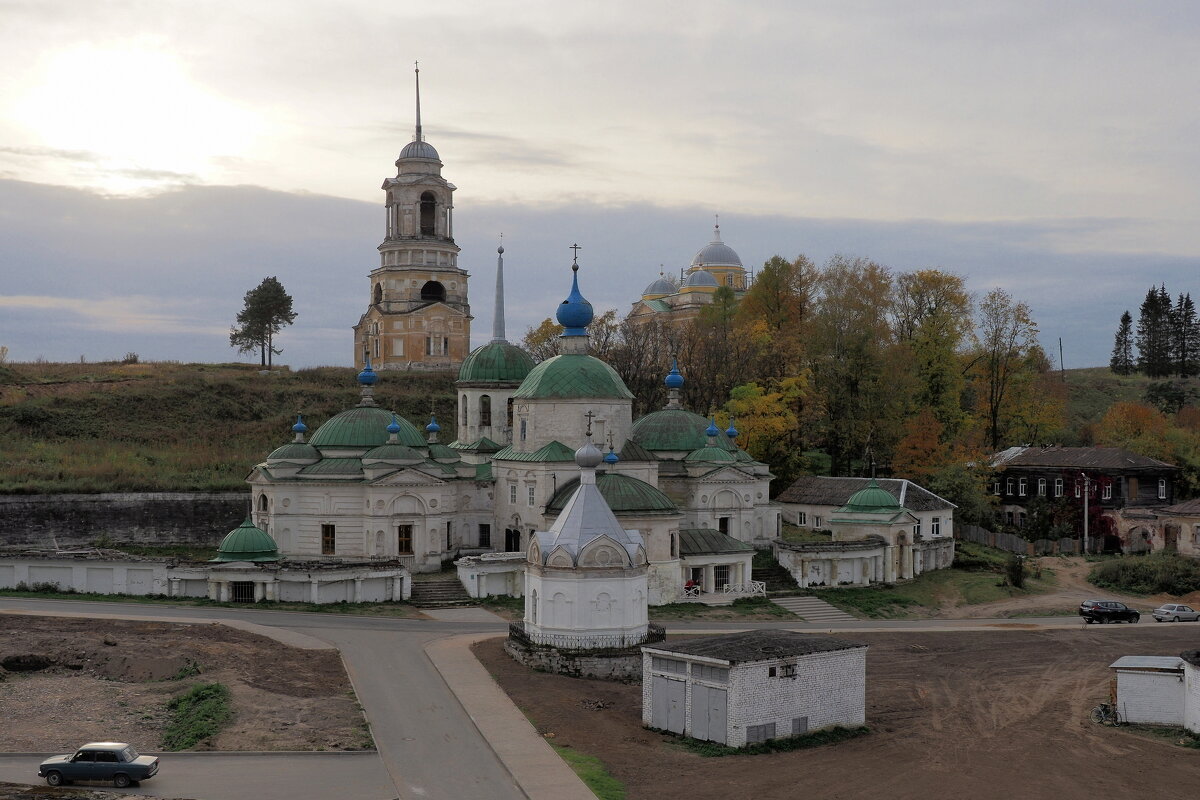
(436, 594)
(813, 609)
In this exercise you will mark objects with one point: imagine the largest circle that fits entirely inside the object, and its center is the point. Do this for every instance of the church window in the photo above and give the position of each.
(379, 293)
(532, 499)
(328, 539)
(512, 494)
(262, 502)
(485, 534)
(428, 209)
(433, 292)
(377, 348)
(522, 430)
(917, 530)
(404, 544)
(533, 607)
(509, 417)
(436, 345)
(397, 347)
(723, 525)
(449, 533)
(485, 410)
(674, 552)
(463, 405)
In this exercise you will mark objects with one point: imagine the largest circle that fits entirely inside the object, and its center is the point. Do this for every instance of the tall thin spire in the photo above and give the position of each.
(418, 136)
(498, 314)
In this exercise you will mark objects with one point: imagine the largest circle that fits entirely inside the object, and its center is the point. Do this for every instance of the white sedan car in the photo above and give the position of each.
(1176, 613)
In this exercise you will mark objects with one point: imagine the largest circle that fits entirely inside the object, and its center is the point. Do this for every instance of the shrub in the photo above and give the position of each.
(1162, 572)
(1014, 571)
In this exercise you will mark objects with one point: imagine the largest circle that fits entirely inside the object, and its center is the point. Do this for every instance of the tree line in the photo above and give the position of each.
(1167, 339)
(847, 367)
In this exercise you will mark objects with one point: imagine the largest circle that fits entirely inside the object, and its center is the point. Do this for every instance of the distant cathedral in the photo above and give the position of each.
(418, 316)
(714, 266)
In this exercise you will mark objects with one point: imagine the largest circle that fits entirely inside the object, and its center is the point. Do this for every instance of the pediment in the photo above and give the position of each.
(560, 557)
(407, 477)
(603, 552)
(728, 474)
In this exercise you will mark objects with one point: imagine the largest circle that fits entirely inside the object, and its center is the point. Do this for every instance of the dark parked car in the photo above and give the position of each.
(1107, 611)
(99, 761)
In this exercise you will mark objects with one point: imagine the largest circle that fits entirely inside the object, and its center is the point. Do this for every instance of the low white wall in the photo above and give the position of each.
(1150, 698)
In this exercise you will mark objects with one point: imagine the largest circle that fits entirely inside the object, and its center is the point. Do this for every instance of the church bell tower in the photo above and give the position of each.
(418, 316)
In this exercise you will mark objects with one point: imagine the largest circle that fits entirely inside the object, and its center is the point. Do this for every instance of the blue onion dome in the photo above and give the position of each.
(712, 429)
(393, 426)
(299, 427)
(574, 313)
(610, 457)
(367, 377)
(674, 379)
(700, 278)
(731, 431)
(433, 426)
(588, 456)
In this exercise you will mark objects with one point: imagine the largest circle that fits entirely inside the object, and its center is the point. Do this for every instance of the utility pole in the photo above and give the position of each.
(1086, 491)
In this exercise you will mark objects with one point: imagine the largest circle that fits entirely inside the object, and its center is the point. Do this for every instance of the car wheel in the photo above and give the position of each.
(54, 778)
(1135, 619)
(1104, 620)
(121, 780)
(1175, 620)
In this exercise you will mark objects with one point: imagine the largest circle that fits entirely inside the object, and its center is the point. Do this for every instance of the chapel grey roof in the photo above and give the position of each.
(817, 490)
(759, 645)
(1114, 458)
(706, 541)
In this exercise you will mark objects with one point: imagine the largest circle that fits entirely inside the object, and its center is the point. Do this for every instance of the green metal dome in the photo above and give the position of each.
(247, 543)
(676, 429)
(495, 362)
(393, 452)
(364, 426)
(443, 453)
(711, 454)
(295, 451)
(573, 376)
(871, 499)
(624, 494)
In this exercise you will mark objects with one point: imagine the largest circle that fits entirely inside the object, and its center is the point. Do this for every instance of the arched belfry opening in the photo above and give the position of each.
(378, 293)
(433, 292)
(428, 212)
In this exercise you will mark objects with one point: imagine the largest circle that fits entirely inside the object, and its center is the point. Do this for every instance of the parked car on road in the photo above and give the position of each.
(1175, 613)
(99, 761)
(1107, 611)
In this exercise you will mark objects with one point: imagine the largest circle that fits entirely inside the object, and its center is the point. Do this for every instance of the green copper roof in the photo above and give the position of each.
(632, 451)
(441, 452)
(554, 451)
(394, 452)
(364, 426)
(675, 429)
(706, 541)
(483, 472)
(247, 543)
(573, 376)
(293, 451)
(496, 362)
(710, 454)
(872, 499)
(334, 466)
(480, 445)
(658, 305)
(623, 493)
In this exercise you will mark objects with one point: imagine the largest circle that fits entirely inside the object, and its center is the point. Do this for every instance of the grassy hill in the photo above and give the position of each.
(175, 427)
(1093, 390)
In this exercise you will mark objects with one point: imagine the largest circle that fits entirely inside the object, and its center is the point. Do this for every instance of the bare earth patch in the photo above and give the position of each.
(952, 715)
(68, 681)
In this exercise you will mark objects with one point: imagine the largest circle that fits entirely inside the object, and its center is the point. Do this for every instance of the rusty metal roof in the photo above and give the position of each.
(1110, 458)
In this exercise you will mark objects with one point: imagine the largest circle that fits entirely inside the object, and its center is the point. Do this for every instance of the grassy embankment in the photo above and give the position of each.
(175, 427)
(1166, 573)
(976, 577)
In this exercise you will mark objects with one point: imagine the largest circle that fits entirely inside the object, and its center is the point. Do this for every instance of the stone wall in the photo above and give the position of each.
(612, 665)
(79, 520)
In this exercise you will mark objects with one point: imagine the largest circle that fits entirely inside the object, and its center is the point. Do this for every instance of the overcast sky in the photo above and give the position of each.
(159, 158)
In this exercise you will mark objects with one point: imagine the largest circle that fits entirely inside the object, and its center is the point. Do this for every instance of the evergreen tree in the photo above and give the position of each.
(1154, 334)
(1122, 354)
(268, 307)
(1184, 336)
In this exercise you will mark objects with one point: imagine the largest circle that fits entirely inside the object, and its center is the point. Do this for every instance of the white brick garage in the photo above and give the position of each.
(747, 687)
(1150, 689)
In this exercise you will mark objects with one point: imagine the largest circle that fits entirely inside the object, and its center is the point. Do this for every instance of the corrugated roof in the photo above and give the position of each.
(816, 490)
(1189, 508)
(623, 493)
(1148, 662)
(573, 375)
(1114, 458)
(334, 466)
(706, 541)
(632, 451)
(761, 645)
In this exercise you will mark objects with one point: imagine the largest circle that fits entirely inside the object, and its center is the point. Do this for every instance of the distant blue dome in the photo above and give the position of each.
(575, 313)
(393, 426)
(367, 377)
(731, 432)
(674, 379)
(700, 277)
(712, 429)
(299, 427)
(611, 458)
(433, 426)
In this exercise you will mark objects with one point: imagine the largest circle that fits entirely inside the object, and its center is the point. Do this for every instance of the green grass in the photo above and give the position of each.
(183, 552)
(820, 738)
(174, 427)
(1180, 737)
(592, 772)
(1151, 574)
(747, 607)
(197, 715)
(794, 533)
(402, 610)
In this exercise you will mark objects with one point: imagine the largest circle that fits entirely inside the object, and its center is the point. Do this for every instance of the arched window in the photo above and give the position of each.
(262, 502)
(428, 209)
(463, 405)
(379, 293)
(523, 428)
(508, 418)
(433, 291)
(485, 411)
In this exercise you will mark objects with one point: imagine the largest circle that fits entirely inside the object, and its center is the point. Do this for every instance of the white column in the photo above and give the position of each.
(314, 594)
(358, 590)
(710, 577)
(260, 591)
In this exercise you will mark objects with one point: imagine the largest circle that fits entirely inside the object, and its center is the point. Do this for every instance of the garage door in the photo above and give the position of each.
(668, 704)
(709, 713)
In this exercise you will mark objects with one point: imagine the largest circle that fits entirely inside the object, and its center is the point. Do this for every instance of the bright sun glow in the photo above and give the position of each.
(134, 117)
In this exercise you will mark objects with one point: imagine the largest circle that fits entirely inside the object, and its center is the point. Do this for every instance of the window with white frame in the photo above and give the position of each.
(916, 530)
(1078, 488)
(1162, 488)
(705, 672)
(512, 494)
(1041, 487)
(817, 521)
(935, 526)
(1010, 484)
(801, 517)
(532, 499)
(1058, 487)
(674, 666)
(1021, 487)
(996, 487)
(1106, 491)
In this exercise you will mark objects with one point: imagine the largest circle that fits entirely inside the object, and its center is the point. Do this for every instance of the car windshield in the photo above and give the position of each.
(129, 754)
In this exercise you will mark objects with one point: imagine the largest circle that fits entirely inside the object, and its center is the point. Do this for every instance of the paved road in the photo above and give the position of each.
(428, 746)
